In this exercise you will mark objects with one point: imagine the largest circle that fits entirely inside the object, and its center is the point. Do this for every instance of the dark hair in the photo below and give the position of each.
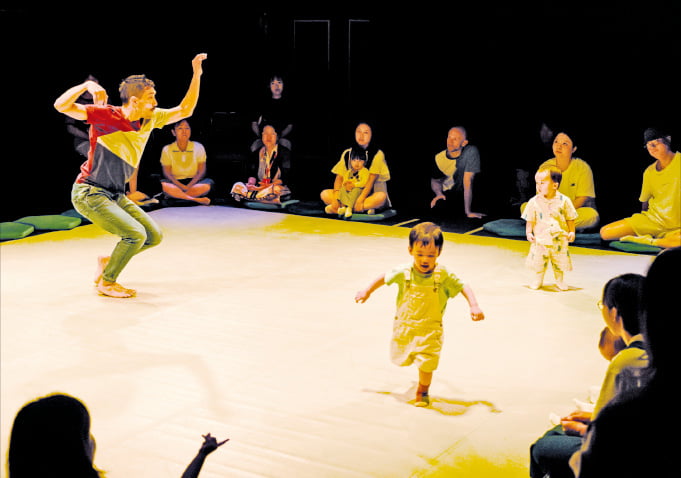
(50, 438)
(175, 125)
(369, 153)
(659, 303)
(426, 233)
(624, 292)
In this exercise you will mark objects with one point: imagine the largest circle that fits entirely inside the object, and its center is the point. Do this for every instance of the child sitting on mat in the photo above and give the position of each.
(550, 226)
(424, 289)
(353, 184)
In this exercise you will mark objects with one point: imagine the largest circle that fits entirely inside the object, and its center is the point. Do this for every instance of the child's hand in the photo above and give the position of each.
(571, 237)
(362, 296)
(530, 236)
(477, 314)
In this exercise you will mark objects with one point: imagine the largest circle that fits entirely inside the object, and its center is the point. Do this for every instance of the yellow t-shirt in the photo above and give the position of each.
(578, 179)
(662, 191)
(183, 164)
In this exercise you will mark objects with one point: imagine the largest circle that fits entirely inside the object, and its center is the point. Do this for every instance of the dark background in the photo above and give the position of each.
(603, 70)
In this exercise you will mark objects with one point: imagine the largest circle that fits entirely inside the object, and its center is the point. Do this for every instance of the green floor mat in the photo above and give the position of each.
(268, 206)
(379, 216)
(15, 230)
(74, 213)
(634, 247)
(516, 228)
(51, 222)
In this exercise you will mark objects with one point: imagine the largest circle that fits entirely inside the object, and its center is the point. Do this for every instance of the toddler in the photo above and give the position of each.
(550, 226)
(353, 184)
(424, 288)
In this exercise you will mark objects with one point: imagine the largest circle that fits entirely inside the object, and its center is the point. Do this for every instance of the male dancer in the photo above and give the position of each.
(118, 135)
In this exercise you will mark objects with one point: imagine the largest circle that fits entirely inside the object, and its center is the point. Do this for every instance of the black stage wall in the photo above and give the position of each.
(604, 71)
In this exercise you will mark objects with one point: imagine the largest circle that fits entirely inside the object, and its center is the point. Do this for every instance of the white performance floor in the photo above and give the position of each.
(245, 326)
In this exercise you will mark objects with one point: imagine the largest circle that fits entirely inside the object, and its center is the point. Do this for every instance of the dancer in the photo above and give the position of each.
(118, 135)
(424, 288)
(550, 226)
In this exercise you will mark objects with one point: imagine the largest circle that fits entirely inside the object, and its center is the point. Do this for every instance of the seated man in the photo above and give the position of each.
(455, 168)
(266, 182)
(184, 167)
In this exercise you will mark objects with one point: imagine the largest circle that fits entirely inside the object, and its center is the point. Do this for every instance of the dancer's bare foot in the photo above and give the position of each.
(102, 261)
(114, 289)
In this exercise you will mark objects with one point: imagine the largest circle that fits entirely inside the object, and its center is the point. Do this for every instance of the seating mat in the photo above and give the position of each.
(268, 206)
(516, 228)
(15, 230)
(635, 247)
(51, 222)
(74, 213)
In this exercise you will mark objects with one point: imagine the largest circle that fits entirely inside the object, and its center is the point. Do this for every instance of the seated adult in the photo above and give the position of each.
(276, 111)
(375, 192)
(51, 437)
(267, 172)
(550, 454)
(577, 183)
(634, 435)
(184, 167)
(455, 168)
(659, 222)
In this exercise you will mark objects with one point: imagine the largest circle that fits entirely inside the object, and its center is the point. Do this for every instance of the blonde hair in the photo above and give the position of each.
(554, 173)
(134, 85)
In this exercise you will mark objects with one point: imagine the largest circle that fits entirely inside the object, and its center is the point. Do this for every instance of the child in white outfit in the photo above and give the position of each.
(550, 226)
(424, 289)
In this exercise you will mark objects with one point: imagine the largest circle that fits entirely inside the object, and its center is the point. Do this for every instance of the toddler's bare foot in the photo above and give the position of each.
(114, 289)
(102, 261)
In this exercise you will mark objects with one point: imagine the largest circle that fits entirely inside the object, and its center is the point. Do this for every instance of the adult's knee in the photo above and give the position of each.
(154, 236)
(135, 235)
(587, 218)
(326, 196)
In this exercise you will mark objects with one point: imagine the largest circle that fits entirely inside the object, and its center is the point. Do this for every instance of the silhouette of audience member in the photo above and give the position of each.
(184, 167)
(659, 222)
(619, 306)
(455, 168)
(375, 192)
(275, 111)
(634, 435)
(51, 437)
(267, 172)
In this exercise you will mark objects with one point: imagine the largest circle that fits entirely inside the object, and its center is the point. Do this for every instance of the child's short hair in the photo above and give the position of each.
(355, 153)
(134, 85)
(555, 174)
(426, 233)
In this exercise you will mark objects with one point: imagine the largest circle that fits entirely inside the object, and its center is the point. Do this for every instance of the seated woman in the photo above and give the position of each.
(577, 182)
(659, 222)
(184, 167)
(266, 183)
(375, 192)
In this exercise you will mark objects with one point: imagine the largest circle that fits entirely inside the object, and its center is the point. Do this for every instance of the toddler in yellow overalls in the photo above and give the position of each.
(424, 289)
